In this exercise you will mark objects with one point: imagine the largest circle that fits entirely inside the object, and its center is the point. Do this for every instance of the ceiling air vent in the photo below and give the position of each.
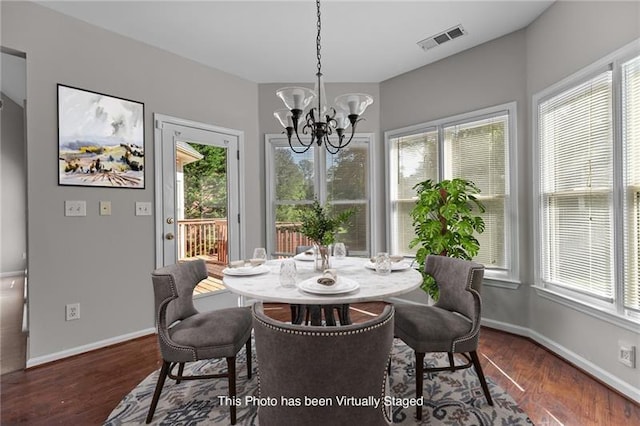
(443, 37)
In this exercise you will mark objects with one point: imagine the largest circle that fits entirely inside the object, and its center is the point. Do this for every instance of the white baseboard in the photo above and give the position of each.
(621, 386)
(32, 362)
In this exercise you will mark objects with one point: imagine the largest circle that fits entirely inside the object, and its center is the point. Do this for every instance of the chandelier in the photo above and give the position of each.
(320, 121)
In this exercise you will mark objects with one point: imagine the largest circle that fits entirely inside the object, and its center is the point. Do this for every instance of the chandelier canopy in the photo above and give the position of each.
(320, 121)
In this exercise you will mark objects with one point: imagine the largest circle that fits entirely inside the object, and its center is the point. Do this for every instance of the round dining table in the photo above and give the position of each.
(357, 281)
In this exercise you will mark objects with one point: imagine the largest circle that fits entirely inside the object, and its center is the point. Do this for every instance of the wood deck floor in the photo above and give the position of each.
(214, 282)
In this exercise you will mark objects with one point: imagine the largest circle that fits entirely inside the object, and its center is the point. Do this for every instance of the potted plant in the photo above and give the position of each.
(445, 220)
(319, 225)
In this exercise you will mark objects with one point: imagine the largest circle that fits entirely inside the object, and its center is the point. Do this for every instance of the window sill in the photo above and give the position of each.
(501, 279)
(589, 309)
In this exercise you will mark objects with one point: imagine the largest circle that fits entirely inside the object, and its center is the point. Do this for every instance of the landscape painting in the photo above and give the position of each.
(100, 140)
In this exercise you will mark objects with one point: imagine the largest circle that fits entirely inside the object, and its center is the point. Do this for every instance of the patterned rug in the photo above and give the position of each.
(451, 398)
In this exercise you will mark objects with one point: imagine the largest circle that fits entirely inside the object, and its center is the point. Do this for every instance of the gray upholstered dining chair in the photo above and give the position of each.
(185, 335)
(298, 361)
(452, 325)
(313, 313)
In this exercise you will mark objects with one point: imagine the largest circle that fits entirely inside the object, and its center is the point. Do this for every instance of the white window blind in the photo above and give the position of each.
(631, 144)
(415, 158)
(576, 146)
(477, 151)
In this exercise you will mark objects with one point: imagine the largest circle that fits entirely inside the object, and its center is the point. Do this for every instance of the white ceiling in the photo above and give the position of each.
(274, 41)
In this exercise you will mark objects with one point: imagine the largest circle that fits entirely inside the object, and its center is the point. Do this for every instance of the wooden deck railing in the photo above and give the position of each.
(287, 239)
(203, 237)
(208, 237)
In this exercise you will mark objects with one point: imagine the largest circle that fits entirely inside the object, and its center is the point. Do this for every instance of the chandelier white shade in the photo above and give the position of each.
(320, 120)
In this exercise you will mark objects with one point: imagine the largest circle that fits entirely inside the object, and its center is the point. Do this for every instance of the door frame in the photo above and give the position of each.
(159, 120)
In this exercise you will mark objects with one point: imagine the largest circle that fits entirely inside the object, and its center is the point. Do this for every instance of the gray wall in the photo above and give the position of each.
(103, 262)
(491, 74)
(13, 190)
(564, 39)
(558, 45)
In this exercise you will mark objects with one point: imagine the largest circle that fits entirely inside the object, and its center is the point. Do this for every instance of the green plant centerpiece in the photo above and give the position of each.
(444, 221)
(320, 225)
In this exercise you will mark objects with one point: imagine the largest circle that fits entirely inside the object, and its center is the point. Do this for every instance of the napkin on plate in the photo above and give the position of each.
(328, 278)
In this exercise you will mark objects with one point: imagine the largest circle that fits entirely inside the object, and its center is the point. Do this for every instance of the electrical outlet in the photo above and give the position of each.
(105, 208)
(627, 355)
(72, 311)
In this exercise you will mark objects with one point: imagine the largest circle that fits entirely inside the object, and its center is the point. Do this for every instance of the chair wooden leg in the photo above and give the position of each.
(329, 319)
(156, 395)
(451, 362)
(231, 371)
(343, 314)
(315, 311)
(180, 371)
(294, 313)
(419, 381)
(483, 382)
(248, 352)
(300, 313)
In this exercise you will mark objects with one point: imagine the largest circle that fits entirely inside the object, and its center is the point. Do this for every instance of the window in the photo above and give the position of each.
(588, 247)
(631, 149)
(341, 180)
(476, 146)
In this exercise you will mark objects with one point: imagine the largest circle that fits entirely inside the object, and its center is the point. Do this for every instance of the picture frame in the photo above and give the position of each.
(100, 140)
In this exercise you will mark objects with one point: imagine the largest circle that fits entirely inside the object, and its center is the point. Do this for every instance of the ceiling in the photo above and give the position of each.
(274, 41)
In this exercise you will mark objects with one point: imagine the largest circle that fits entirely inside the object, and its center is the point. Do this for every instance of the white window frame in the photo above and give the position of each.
(280, 140)
(509, 276)
(614, 311)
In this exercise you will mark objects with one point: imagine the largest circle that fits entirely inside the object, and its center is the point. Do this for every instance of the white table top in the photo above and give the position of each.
(266, 287)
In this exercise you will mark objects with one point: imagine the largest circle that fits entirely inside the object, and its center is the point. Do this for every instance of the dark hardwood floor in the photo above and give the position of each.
(82, 390)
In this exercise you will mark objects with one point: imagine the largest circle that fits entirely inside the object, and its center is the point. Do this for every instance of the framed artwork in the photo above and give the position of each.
(100, 140)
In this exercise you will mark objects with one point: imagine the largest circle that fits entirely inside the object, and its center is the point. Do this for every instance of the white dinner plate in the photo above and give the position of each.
(305, 257)
(344, 285)
(395, 266)
(246, 270)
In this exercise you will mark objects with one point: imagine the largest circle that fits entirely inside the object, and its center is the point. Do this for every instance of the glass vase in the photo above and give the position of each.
(323, 254)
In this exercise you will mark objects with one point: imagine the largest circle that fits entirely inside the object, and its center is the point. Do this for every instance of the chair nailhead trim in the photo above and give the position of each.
(476, 325)
(323, 333)
(162, 308)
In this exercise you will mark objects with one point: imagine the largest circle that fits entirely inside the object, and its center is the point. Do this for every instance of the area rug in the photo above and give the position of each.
(450, 398)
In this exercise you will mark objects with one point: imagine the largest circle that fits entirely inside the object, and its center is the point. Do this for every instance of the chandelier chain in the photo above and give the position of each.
(318, 37)
(320, 121)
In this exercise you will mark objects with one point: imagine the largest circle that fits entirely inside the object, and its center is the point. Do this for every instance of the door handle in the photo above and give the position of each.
(169, 220)
(169, 236)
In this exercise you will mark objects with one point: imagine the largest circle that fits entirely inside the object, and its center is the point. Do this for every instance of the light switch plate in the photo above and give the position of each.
(75, 208)
(105, 208)
(143, 208)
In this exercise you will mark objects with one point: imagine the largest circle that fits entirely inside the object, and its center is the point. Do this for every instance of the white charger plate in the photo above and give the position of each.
(395, 266)
(244, 271)
(305, 257)
(344, 285)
